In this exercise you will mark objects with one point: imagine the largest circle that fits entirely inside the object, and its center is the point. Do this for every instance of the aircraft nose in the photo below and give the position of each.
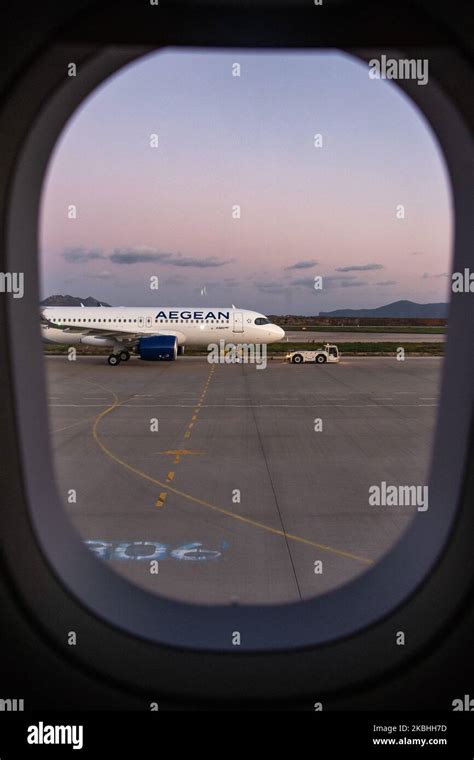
(278, 332)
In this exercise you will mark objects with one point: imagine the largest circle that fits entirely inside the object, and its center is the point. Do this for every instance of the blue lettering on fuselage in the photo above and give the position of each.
(192, 315)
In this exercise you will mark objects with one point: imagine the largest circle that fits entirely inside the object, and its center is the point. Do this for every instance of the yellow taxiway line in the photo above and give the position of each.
(221, 510)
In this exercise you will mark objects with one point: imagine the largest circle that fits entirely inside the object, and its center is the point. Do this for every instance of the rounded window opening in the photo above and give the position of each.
(270, 233)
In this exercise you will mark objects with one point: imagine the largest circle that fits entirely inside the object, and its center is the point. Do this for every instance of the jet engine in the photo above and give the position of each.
(158, 347)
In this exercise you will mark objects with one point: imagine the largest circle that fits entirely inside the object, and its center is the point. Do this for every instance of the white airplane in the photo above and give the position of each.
(154, 333)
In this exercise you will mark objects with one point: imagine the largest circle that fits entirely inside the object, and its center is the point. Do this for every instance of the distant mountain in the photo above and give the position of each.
(407, 309)
(72, 301)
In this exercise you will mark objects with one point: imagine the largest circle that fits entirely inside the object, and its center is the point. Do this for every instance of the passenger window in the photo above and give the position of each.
(276, 467)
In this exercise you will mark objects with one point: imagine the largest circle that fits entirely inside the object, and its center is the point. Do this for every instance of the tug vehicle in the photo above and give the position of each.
(328, 353)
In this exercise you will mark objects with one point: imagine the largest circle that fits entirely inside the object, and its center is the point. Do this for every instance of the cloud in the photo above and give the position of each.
(429, 276)
(353, 284)
(137, 255)
(142, 255)
(384, 283)
(329, 281)
(304, 282)
(302, 265)
(104, 275)
(79, 255)
(338, 277)
(174, 280)
(360, 268)
(192, 261)
(271, 287)
(208, 285)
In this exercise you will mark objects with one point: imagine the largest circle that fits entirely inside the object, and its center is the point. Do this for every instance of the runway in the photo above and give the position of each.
(223, 476)
(360, 336)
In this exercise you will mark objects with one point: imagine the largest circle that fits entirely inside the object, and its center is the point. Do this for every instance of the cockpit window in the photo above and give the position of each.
(262, 321)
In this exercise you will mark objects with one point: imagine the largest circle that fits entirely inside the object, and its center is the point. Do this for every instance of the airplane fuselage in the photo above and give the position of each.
(197, 326)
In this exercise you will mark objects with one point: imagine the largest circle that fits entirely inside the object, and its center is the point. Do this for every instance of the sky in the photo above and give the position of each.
(248, 141)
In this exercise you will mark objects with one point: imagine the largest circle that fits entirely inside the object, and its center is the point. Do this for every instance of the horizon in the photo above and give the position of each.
(306, 211)
(102, 303)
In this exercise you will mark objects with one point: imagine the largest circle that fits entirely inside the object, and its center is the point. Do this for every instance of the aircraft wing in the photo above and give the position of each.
(128, 339)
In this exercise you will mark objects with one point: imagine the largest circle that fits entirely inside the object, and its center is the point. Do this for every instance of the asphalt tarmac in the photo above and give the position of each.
(362, 337)
(223, 475)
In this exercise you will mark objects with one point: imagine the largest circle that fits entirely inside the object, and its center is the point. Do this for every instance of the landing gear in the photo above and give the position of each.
(120, 356)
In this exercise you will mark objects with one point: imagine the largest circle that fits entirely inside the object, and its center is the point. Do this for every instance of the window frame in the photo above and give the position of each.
(278, 629)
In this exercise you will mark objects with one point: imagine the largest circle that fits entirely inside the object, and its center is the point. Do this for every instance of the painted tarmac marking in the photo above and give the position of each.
(181, 452)
(66, 427)
(161, 500)
(245, 406)
(246, 520)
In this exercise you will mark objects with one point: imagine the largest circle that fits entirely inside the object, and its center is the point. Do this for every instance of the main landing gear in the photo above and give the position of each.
(115, 359)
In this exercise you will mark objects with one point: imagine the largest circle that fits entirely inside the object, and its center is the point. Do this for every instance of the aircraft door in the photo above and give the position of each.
(238, 323)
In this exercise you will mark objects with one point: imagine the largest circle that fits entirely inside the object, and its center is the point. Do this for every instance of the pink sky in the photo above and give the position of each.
(248, 140)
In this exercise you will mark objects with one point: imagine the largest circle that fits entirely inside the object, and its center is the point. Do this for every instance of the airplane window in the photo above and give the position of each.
(324, 463)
